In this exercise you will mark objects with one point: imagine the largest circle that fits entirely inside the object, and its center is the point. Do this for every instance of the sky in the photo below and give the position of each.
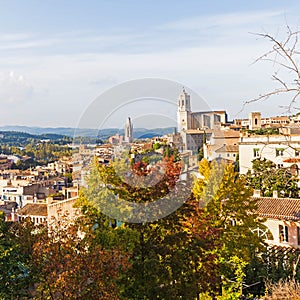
(58, 57)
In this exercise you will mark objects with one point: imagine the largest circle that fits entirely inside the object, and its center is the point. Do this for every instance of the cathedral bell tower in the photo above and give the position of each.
(128, 131)
(184, 111)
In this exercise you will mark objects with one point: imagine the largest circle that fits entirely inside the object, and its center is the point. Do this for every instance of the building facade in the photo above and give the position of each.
(195, 127)
(283, 150)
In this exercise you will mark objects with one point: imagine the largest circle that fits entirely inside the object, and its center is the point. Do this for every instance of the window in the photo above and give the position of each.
(279, 151)
(217, 119)
(228, 154)
(283, 233)
(256, 152)
(255, 121)
(206, 121)
(297, 152)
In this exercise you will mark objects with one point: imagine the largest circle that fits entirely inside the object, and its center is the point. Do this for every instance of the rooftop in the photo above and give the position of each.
(34, 209)
(279, 208)
(228, 148)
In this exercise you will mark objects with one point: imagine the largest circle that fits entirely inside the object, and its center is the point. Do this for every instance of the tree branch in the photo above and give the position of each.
(283, 54)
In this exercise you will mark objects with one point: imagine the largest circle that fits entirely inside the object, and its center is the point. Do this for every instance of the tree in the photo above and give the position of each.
(225, 197)
(173, 257)
(72, 263)
(128, 191)
(284, 55)
(267, 178)
(16, 275)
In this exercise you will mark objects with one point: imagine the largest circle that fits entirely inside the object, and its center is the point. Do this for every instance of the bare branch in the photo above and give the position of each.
(283, 54)
(281, 81)
(280, 47)
(269, 94)
(293, 100)
(278, 63)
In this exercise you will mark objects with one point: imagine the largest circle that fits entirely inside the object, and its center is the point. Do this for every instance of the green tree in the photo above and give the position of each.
(156, 146)
(16, 275)
(268, 178)
(174, 257)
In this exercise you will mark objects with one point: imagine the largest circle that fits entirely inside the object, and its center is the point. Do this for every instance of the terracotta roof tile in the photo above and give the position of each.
(279, 208)
(292, 160)
(33, 209)
(226, 134)
(228, 148)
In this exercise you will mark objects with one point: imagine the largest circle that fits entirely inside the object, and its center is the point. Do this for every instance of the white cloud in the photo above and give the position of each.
(221, 20)
(9, 37)
(187, 32)
(14, 88)
(211, 54)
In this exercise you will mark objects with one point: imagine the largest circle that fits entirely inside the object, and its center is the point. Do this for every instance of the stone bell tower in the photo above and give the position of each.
(184, 111)
(254, 120)
(128, 131)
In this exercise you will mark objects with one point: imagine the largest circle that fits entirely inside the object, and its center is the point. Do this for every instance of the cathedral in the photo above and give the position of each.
(195, 127)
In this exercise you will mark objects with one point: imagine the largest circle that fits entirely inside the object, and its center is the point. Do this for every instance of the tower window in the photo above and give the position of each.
(255, 121)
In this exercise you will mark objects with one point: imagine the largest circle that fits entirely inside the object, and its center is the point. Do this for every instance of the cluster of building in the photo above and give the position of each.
(29, 193)
(241, 141)
(43, 193)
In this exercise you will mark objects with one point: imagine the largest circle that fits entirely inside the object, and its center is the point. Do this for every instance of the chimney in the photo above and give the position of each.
(257, 193)
(275, 194)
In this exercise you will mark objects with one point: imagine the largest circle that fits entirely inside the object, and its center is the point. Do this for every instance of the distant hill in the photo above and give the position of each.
(86, 132)
(15, 138)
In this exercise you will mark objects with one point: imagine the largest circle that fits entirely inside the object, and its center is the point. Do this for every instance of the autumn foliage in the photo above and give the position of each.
(71, 266)
(186, 254)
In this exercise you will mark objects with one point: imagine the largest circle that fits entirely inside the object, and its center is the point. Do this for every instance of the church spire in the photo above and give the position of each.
(184, 103)
(128, 131)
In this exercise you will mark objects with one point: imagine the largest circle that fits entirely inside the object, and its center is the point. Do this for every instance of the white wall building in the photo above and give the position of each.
(283, 150)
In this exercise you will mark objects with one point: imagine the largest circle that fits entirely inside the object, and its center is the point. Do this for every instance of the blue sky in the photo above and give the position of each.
(56, 57)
